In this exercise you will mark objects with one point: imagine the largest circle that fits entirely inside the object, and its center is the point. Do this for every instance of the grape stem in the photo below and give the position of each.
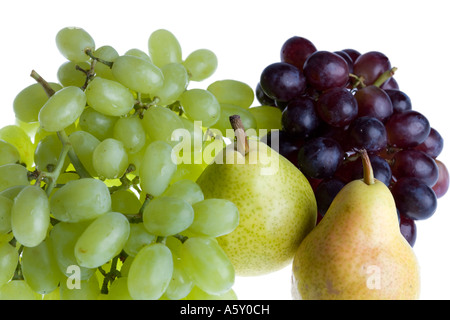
(81, 171)
(89, 52)
(239, 131)
(384, 77)
(48, 89)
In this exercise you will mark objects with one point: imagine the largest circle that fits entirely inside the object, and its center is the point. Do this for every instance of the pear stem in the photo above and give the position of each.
(367, 168)
(239, 132)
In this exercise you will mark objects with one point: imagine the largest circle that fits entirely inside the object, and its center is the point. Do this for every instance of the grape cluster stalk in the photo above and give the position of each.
(335, 104)
(94, 200)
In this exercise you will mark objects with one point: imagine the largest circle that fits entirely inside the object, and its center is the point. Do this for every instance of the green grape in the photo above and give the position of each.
(208, 265)
(102, 240)
(13, 175)
(175, 82)
(30, 100)
(39, 267)
(164, 48)
(84, 144)
(8, 153)
(88, 289)
(98, 124)
(136, 159)
(185, 189)
(125, 268)
(72, 43)
(119, 290)
(80, 200)
(12, 192)
(181, 283)
(232, 92)
(165, 216)
(109, 97)
(139, 238)
(16, 136)
(63, 237)
(198, 294)
(214, 217)
(106, 53)
(157, 168)
(62, 109)
(17, 290)
(30, 216)
(200, 105)
(110, 159)
(227, 110)
(68, 75)
(200, 64)
(138, 74)
(131, 133)
(150, 272)
(267, 117)
(125, 201)
(160, 123)
(9, 257)
(47, 154)
(138, 53)
(5, 215)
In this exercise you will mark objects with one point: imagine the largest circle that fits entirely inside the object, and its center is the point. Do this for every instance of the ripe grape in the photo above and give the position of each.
(414, 199)
(370, 66)
(407, 129)
(368, 133)
(374, 102)
(324, 70)
(325, 193)
(441, 185)
(164, 48)
(320, 157)
(296, 50)
(337, 107)
(433, 144)
(408, 229)
(200, 64)
(282, 81)
(72, 43)
(400, 100)
(415, 163)
(299, 118)
(232, 92)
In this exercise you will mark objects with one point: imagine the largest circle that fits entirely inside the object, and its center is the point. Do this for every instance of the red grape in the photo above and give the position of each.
(296, 50)
(441, 186)
(374, 102)
(407, 129)
(370, 66)
(282, 81)
(324, 70)
(337, 107)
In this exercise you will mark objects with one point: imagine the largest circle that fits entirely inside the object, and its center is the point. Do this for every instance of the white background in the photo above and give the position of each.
(247, 36)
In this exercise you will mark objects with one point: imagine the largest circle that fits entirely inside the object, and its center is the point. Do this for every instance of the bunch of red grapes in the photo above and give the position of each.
(335, 104)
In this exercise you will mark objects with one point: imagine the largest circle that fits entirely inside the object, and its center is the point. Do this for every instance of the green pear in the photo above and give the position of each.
(357, 250)
(276, 203)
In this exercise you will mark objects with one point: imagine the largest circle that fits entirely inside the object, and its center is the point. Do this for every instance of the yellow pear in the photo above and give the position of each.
(357, 252)
(277, 207)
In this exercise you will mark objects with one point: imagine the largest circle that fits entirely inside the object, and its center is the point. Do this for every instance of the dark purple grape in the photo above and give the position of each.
(347, 59)
(282, 81)
(352, 53)
(415, 163)
(296, 50)
(407, 129)
(284, 144)
(433, 144)
(370, 66)
(414, 199)
(374, 102)
(299, 118)
(408, 229)
(368, 133)
(400, 100)
(337, 107)
(325, 193)
(320, 157)
(262, 97)
(324, 70)
(441, 186)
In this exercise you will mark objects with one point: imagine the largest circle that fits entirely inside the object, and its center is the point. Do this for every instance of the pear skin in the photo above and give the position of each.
(276, 204)
(357, 252)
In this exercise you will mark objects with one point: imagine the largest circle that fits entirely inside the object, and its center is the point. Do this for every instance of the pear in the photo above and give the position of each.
(357, 250)
(276, 203)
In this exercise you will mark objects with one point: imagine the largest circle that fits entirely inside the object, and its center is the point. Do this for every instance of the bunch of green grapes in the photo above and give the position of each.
(94, 202)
